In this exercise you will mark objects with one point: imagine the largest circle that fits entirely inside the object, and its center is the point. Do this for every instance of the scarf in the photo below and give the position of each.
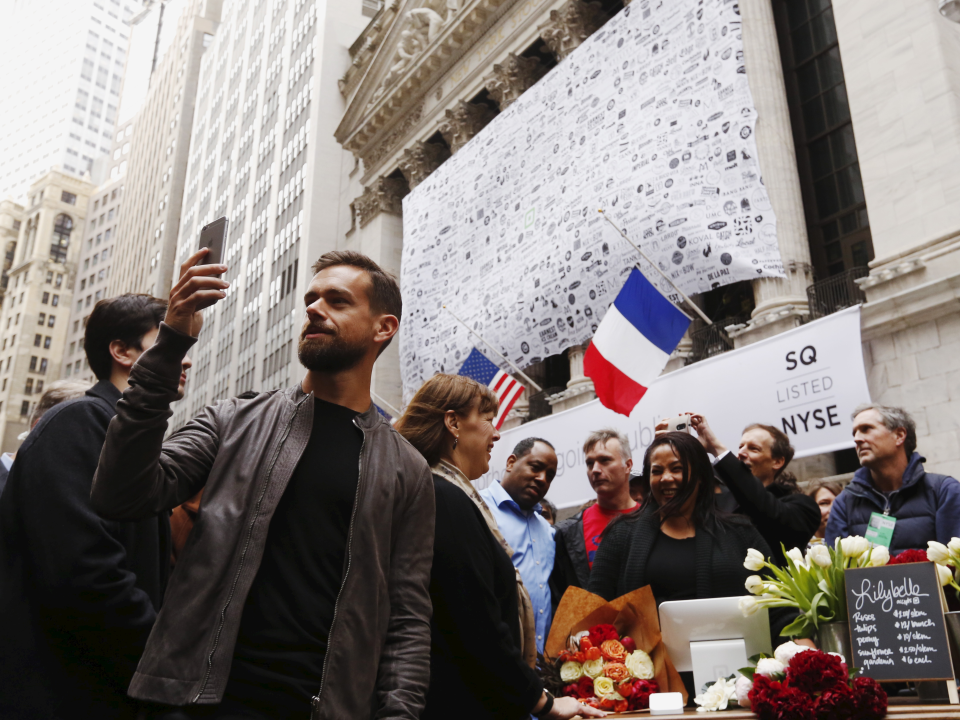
(528, 628)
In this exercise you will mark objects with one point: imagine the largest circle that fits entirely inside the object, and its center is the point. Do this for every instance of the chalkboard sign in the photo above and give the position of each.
(897, 627)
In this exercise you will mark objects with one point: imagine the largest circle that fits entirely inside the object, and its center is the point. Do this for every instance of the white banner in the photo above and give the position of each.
(806, 382)
(651, 118)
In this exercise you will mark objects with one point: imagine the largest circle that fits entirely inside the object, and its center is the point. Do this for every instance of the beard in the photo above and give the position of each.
(331, 355)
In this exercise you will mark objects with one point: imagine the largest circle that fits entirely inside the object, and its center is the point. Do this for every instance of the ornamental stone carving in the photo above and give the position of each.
(421, 160)
(569, 26)
(463, 122)
(373, 158)
(385, 195)
(512, 78)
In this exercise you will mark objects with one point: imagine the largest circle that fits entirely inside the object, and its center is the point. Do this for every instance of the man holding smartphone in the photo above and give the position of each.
(303, 589)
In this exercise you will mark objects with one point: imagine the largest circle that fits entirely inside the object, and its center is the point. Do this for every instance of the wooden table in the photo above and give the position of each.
(898, 709)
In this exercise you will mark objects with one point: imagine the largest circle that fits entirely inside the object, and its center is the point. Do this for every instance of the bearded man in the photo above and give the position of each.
(303, 590)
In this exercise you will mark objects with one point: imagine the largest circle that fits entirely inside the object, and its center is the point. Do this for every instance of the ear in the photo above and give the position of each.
(452, 421)
(778, 463)
(629, 464)
(387, 326)
(123, 355)
(511, 461)
(901, 434)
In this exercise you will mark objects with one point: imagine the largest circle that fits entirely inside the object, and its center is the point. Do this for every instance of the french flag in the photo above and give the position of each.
(633, 343)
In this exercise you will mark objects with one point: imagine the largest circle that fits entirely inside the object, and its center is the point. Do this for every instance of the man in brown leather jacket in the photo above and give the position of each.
(303, 588)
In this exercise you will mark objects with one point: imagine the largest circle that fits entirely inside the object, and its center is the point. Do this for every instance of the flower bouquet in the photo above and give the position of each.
(801, 684)
(608, 655)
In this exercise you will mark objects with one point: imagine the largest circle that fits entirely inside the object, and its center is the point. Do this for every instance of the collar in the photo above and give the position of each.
(367, 420)
(105, 390)
(911, 476)
(501, 496)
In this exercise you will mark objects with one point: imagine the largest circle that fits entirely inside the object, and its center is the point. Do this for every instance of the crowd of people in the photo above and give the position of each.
(326, 564)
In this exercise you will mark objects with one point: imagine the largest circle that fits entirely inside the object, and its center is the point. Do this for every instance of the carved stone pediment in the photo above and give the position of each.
(510, 79)
(569, 26)
(385, 195)
(421, 160)
(463, 122)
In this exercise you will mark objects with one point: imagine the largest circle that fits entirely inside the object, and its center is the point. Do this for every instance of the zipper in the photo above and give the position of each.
(246, 545)
(315, 700)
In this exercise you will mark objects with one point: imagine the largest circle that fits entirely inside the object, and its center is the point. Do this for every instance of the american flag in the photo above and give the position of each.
(507, 390)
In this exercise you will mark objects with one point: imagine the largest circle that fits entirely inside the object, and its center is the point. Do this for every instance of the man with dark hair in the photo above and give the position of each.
(762, 490)
(608, 459)
(912, 506)
(303, 588)
(79, 594)
(515, 504)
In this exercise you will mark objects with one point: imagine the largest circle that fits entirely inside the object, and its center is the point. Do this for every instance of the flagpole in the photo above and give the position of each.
(506, 360)
(380, 401)
(656, 267)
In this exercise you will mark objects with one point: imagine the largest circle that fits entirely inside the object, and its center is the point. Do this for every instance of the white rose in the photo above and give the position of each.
(639, 664)
(819, 555)
(716, 696)
(854, 546)
(938, 552)
(770, 667)
(754, 560)
(754, 584)
(743, 686)
(797, 557)
(785, 652)
(592, 668)
(571, 671)
(879, 556)
(954, 545)
(748, 605)
(604, 688)
(945, 575)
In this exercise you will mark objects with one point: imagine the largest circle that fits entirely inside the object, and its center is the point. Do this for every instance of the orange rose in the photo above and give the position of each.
(593, 654)
(613, 651)
(616, 671)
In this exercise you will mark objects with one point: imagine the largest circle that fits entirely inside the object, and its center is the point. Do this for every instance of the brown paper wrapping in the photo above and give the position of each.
(634, 614)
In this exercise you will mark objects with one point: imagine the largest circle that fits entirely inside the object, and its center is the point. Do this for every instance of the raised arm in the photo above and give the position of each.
(140, 475)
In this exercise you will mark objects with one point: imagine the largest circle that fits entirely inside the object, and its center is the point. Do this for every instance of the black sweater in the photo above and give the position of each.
(78, 594)
(476, 669)
(621, 562)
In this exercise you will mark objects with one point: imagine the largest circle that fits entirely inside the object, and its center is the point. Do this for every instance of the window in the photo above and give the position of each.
(25, 408)
(28, 388)
(45, 299)
(39, 388)
(83, 284)
(110, 214)
(73, 346)
(49, 279)
(43, 366)
(61, 238)
(97, 296)
(99, 238)
(37, 339)
(69, 369)
(68, 198)
(51, 321)
(4, 385)
(46, 342)
(106, 234)
(41, 319)
(59, 279)
(55, 301)
(33, 363)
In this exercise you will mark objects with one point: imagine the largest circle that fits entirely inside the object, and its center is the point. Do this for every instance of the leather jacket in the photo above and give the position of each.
(243, 453)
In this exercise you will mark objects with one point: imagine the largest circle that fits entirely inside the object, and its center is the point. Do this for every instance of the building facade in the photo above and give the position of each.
(157, 164)
(263, 155)
(63, 65)
(36, 306)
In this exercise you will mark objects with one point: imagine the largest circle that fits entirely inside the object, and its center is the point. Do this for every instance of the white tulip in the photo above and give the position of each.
(748, 605)
(785, 652)
(797, 557)
(770, 667)
(854, 546)
(937, 552)
(754, 560)
(879, 557)
(742, 687)
(754, 584)
(819, 555)
(954, 545)
(945, 575)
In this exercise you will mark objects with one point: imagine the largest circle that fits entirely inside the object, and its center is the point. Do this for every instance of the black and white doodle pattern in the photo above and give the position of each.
(652, 120)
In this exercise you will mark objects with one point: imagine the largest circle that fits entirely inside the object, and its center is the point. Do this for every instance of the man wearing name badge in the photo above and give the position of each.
(515, 504)
(892, 500)
(608, 461)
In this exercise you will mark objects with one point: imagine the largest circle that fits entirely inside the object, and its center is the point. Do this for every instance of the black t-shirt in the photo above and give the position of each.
(278, 660)
(671, 568)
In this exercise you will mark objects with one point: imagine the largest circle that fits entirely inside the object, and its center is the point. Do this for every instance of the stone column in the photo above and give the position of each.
(780, 303)
(463, 122)
(569, 26)
(421, 160)
(579, 386)
(385, 195)
(512, 78)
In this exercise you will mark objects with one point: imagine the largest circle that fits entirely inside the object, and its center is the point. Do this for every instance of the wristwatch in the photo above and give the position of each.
(547, 706)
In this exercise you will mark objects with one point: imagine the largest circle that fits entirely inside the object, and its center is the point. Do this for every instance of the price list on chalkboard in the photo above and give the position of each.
(897, 627)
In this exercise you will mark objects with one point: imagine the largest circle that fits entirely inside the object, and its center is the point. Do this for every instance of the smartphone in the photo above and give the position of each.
(680, 423)
(213, 236)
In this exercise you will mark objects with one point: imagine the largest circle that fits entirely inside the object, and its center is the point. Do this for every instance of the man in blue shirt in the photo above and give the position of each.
(515, 503)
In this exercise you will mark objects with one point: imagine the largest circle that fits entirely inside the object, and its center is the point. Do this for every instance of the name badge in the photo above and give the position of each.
(880, 529)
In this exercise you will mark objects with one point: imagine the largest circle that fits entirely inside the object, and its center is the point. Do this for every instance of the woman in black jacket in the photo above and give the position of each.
(482, 643)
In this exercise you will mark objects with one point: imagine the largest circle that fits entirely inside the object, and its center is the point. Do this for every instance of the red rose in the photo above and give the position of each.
(585, 643)
(571, 690)
(585, 687)
(628, 644)
(837, 703)
(814, 671)
(640, 694)
(795, 704)
(764, 697)
(909, 556)
(870, 698)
